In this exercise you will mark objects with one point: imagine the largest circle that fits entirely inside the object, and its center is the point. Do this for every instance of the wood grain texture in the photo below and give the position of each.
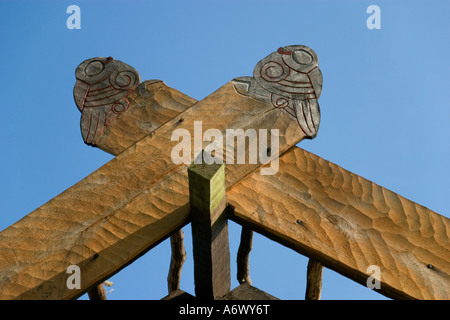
(97, 293)
(243, 256)
(152, 104)
(348, 223)
(125, 207)
(314, 273)
(177, 260)
(179, 295)
(100, 93)
(245, 291)
(210, 246)
(290, 79)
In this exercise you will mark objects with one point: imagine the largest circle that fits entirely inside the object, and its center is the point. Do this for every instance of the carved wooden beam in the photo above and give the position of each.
(117, 111)
(100, 93)
(130, 204)
(348, 224)
(152, 104)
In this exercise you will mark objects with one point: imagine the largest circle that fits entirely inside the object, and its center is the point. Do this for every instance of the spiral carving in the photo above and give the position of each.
(119, 107)
(273, 71)
(283, 104)
(100, 93)
(289, 79)
(124, 80)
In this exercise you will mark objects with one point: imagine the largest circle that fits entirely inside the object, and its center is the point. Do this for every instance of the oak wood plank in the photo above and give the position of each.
(348, 223)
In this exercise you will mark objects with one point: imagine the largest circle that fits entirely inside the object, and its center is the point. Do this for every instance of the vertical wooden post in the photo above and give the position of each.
(314, 280)
(243, 256)
(97, 293)
(209, 230)
(177, 260)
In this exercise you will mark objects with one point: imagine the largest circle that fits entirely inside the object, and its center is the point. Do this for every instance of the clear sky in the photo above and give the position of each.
(385, 103)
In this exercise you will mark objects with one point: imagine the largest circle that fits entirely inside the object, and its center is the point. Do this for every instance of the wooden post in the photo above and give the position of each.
(177, 260)
(97, 293)
(209, 230)
(243, 256)
(314, 280)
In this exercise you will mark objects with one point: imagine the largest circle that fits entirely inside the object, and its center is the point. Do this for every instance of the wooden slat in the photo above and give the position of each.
(124, 208)
(348, 223)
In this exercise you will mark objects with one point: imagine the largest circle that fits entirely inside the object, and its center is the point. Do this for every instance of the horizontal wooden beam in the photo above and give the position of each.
(348, 223)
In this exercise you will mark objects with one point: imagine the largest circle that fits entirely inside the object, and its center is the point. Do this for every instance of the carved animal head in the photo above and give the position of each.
(100, 93)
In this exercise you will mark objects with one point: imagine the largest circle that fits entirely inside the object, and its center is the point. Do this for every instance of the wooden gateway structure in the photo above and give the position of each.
(143, 196)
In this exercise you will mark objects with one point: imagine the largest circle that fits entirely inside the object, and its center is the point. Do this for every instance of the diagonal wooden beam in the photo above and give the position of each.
(348, 223)
(83, 214)
(152, 104)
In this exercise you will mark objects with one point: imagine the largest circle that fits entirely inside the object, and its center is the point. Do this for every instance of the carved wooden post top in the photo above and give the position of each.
(289, 79)
(116, 109)
(100, 93)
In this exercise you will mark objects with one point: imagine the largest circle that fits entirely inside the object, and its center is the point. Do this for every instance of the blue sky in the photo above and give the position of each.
(385, 103)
